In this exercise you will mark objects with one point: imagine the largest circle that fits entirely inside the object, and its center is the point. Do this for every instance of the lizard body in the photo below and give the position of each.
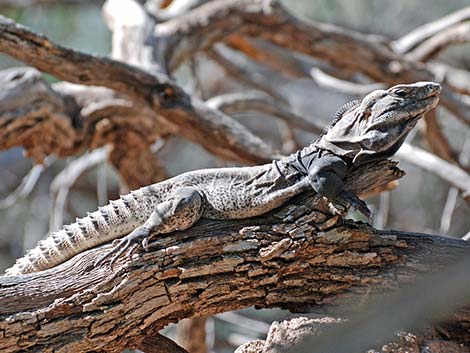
(362, 131)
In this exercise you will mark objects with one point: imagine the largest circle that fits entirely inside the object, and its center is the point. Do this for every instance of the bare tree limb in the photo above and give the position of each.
(258, 101)
(451, 173)
(325, 80)
(367, 54)
(458, 34)
(215, 131)
(422, 33)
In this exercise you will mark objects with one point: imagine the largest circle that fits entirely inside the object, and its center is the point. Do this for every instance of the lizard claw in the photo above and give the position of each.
(138, 238)
(355, 202)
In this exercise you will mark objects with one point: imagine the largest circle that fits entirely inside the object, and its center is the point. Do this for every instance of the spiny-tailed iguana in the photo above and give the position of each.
(362, 131)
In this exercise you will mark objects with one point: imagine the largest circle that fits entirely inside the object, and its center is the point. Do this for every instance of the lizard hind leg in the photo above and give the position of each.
(182, 209)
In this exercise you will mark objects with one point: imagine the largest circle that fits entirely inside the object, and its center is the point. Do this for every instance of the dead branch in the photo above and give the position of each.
(257, 101)
(423, 159)
(428, 30)
(215, 131)
(67, 119)
(292, 256)
(292, 334)
(459, 34)
(370, 55)
(325, 80)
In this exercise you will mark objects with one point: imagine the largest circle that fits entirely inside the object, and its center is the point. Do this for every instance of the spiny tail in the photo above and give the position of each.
(110, 222)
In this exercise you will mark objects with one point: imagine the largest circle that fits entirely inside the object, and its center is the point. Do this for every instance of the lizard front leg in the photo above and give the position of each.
(179, 212)
(327, 179)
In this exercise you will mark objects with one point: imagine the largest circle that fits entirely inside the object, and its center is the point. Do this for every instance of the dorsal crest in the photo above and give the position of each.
(339, 114)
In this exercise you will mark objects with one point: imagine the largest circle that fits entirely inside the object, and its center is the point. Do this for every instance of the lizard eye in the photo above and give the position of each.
(400, 93)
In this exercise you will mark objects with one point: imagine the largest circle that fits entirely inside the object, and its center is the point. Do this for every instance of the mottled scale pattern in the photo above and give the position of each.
(112, 221)
(227, 193)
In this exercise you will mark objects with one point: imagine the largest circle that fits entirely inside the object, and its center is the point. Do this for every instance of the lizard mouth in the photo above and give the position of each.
(424, 105)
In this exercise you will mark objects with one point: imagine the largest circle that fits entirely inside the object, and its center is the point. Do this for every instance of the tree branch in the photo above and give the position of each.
(295, 255)
(459, 34)
(213, 130)
(299, 333)
(260, 102)
(428, 30)
(370, 55)
(423, 159)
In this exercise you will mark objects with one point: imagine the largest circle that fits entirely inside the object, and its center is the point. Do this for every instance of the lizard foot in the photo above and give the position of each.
(138, 238)
(355, 202)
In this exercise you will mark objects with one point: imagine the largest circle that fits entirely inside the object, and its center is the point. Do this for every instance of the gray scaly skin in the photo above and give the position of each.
(363, 131)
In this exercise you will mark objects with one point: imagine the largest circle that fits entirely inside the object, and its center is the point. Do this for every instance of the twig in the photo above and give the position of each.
(325, 80)
(458, 34)
(60, 186)
(381, 217)
(451, 201)
(27, 184)
(102, 184)
(451, 173)
(257, 101)
(278, 58)
(422, 33)
(247, 71)
(241, 321)
(449, 207)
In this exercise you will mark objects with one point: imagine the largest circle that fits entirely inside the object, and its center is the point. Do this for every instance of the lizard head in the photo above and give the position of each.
(378, 125)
